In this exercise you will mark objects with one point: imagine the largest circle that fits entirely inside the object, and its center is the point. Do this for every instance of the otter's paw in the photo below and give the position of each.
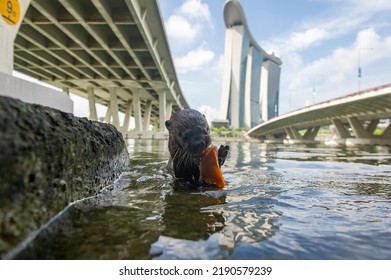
(222, 154)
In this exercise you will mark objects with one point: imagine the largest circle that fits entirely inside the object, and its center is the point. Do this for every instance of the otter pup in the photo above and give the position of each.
(188, 137)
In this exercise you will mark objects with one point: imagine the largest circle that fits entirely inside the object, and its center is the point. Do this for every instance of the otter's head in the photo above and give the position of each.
(189, 130)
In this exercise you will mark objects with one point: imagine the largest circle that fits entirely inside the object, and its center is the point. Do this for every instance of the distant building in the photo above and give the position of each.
(251, 76)
(220, 123)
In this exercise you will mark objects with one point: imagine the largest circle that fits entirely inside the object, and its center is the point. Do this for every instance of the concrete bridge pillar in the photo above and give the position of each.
(137, 110)
(387, 132)
(372, 126)
(358, 128)
(128, 114)
(341, 130)
(108, 114)
(270, 136)
(168, 109)
(162, 111)
(91, 102)
(114, 107)
(311, 133)
(295, 133)
(289, 132)
(296, 138)
(147, 115)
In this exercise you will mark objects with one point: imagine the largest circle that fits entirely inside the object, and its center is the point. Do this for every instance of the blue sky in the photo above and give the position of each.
(317, 40)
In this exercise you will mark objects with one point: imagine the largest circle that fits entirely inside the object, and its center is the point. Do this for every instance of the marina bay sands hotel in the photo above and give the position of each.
(251, 76)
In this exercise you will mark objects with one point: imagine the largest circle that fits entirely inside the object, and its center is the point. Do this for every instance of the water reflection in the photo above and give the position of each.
(281, 202)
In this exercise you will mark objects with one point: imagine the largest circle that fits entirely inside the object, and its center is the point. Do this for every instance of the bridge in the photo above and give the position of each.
(355, 118)
(114, 53)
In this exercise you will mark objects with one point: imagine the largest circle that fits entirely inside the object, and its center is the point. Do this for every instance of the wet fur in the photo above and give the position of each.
(188, 137)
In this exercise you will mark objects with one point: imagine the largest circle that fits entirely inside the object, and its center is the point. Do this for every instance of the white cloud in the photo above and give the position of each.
(346, 17)
(210, 113)
(219, 66)
(196, 9)
(302, 40)
(180, 29)
(218, 69)
(188, 21)
(194, 60)
(342, 62)
(336, 74)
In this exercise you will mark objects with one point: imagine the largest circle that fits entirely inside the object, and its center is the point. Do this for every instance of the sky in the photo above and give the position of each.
(318, 41)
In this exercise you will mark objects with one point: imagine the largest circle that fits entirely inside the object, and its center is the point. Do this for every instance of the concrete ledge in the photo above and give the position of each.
(49, 159)
(33, 93)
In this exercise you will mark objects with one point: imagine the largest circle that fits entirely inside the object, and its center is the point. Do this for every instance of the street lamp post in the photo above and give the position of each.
(359, 74)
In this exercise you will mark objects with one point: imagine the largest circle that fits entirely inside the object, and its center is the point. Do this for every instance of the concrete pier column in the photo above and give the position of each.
(270, 136)
(147, 115)
(311, 133)
(91, 102)
(162, 110)
(137, 110)
(295, 133)
(289, 132)
(387, 132)
(114, 107)
(168, 109)
(358, 128)
(341, 130)
(155, 123)
(128, 114)
(372, 126)
(108, 114)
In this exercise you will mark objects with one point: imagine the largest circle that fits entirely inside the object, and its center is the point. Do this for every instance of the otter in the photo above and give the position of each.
(189, 136)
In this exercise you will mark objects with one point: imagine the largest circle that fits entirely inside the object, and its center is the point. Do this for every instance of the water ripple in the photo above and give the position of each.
(281, 202)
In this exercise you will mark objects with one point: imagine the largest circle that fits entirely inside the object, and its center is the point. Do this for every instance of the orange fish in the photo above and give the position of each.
(210, 172)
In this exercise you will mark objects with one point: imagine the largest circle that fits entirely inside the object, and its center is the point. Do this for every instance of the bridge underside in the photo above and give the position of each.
(114, 53)
(354, 120)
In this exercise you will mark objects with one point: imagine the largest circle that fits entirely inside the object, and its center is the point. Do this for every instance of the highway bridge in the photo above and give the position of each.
(114, 53)
(354, 116)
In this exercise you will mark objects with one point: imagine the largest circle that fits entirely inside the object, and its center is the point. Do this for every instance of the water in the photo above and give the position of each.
(282, 202)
